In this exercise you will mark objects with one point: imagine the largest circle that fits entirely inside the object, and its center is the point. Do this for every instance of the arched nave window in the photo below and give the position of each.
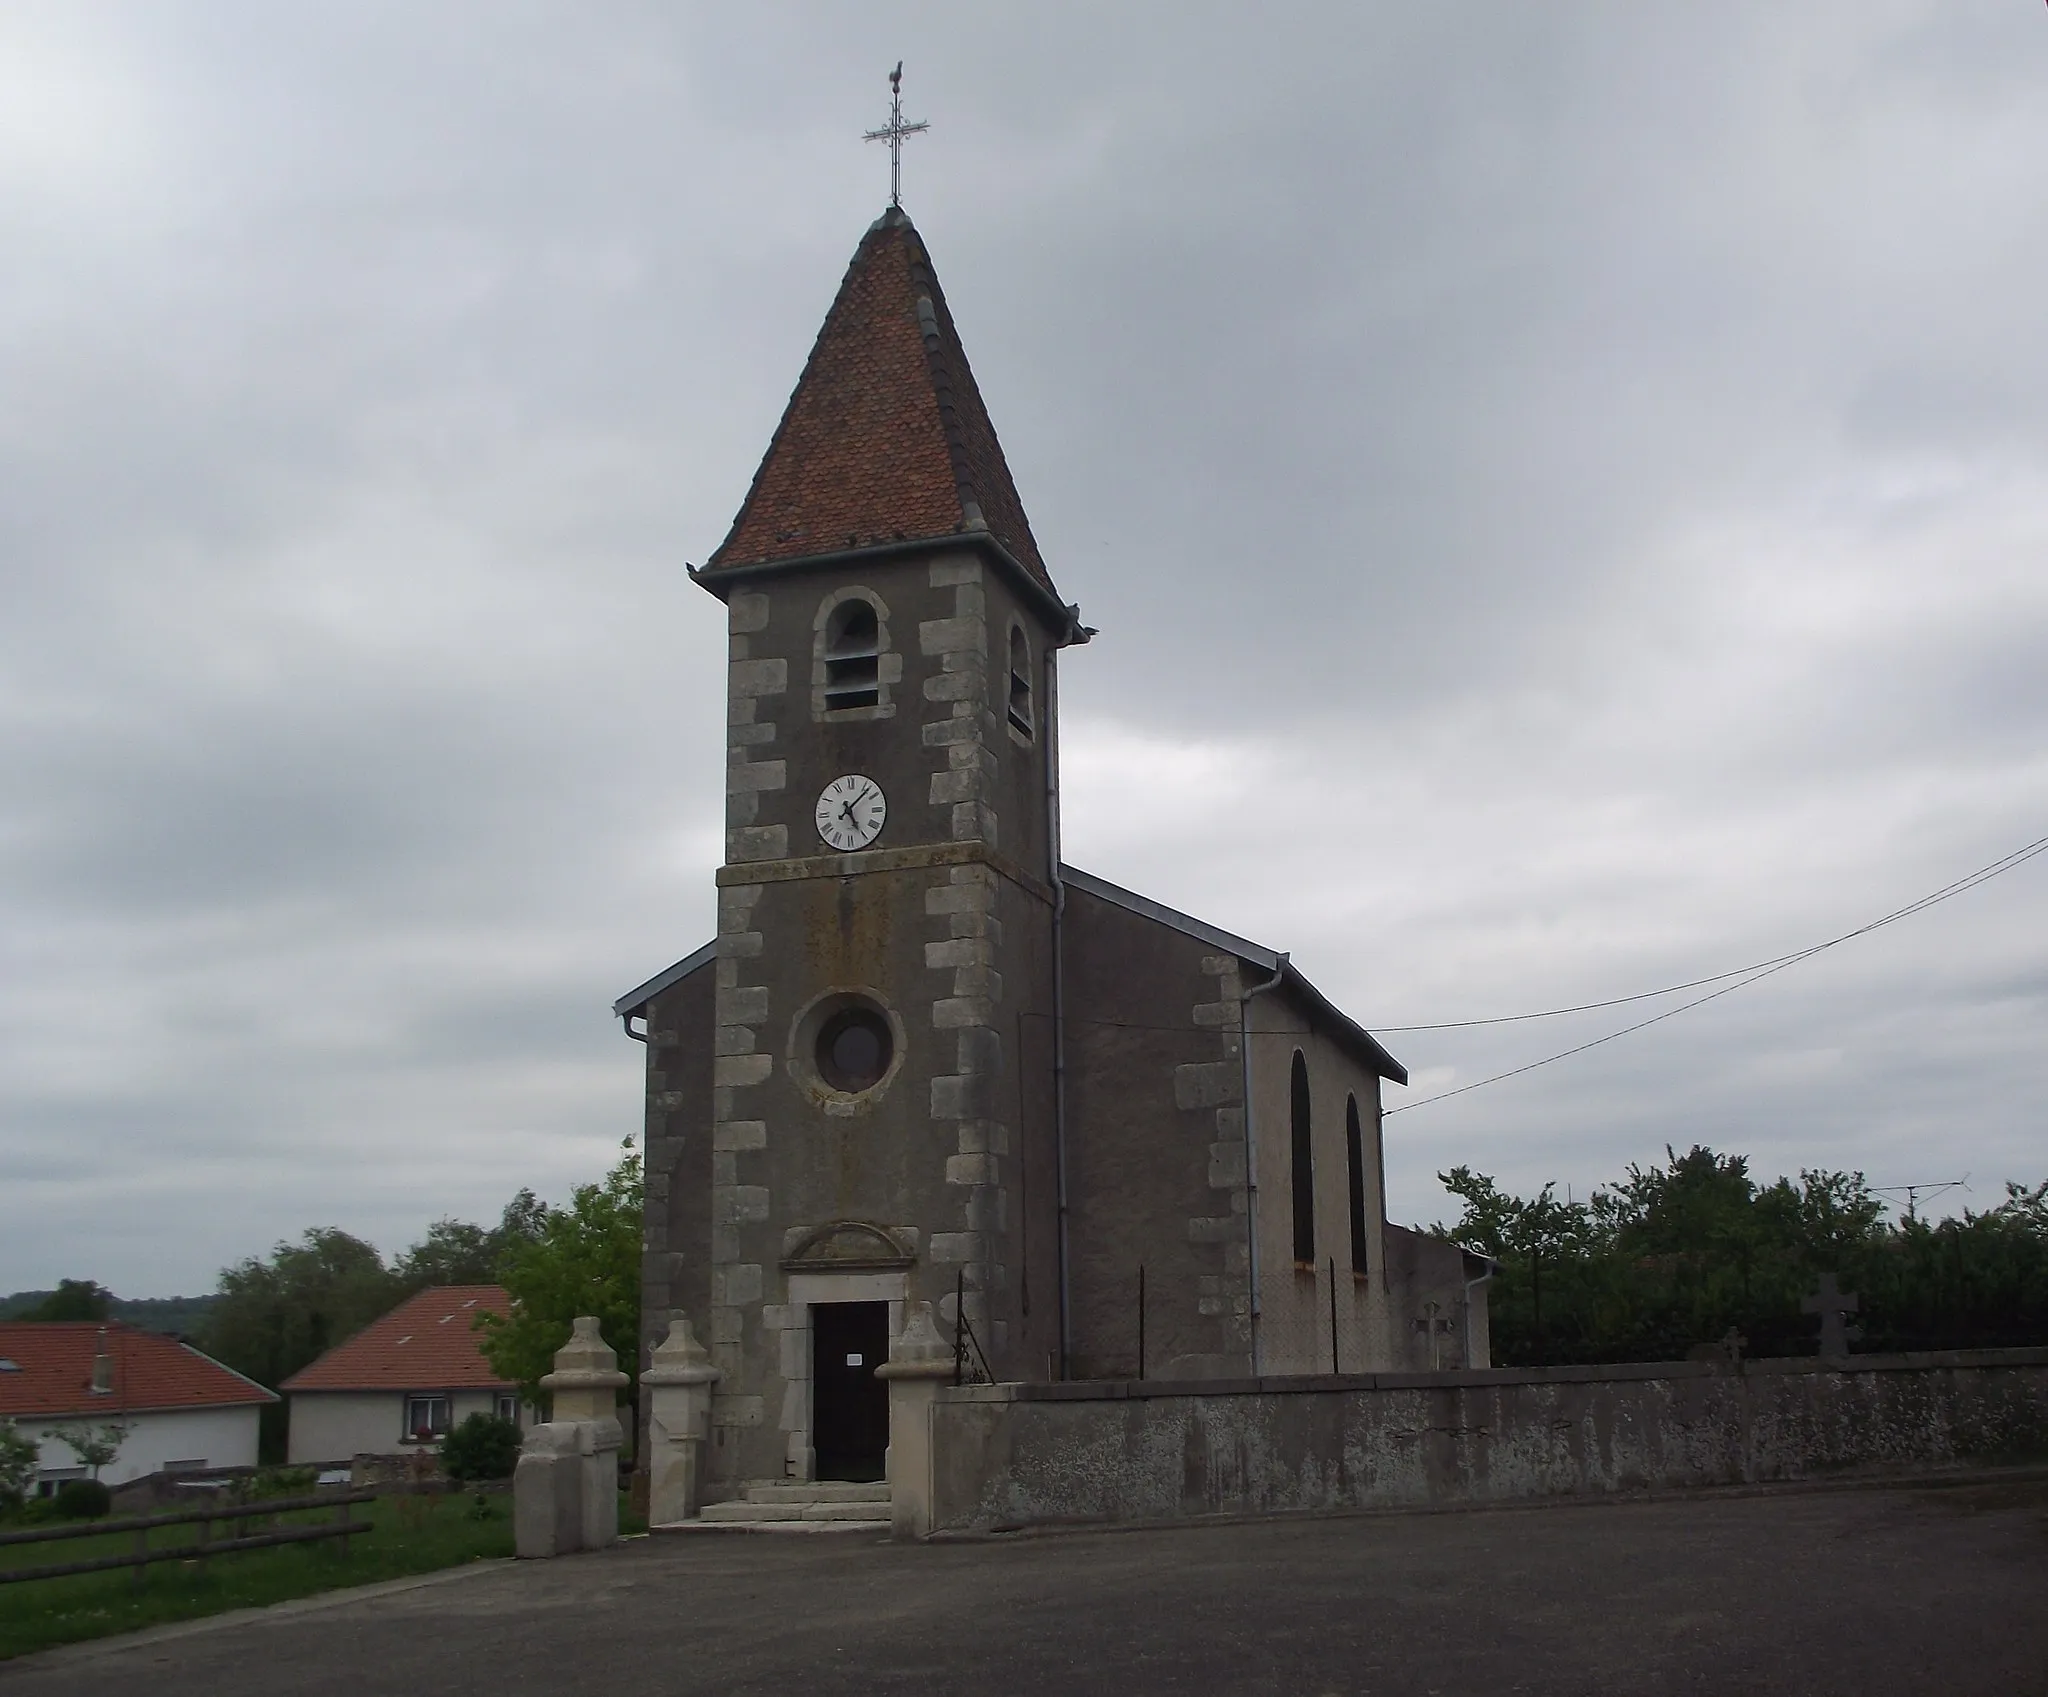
(1304, 1168)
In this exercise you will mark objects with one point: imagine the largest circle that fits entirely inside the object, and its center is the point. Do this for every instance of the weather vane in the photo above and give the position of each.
(893, 133)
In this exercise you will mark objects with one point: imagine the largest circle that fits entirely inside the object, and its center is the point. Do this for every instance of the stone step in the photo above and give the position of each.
(816, 1491)
(880, 1528)
(733, 1513)
(720, 1512)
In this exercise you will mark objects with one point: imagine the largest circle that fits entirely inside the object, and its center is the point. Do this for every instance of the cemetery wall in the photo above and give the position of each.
(1010, 1456)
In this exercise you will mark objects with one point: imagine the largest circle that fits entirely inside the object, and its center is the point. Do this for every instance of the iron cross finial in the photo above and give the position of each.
(893, 133)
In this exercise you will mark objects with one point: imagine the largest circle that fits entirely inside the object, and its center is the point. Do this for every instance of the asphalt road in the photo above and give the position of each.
(1896, 1591)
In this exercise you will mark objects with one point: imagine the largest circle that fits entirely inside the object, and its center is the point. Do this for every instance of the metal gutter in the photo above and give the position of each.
(1057, 613)
(1251, 1146)
(1048, 718)
(636, 999)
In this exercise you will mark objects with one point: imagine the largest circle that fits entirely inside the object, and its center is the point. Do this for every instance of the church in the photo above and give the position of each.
(925, 1060)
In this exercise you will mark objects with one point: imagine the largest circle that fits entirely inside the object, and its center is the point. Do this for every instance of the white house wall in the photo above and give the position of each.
(209, 1437)
(339, 1425)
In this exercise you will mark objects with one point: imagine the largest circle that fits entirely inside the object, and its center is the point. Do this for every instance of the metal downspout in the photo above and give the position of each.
(1465, 1318)
(1051, 720)
(1251, 1146)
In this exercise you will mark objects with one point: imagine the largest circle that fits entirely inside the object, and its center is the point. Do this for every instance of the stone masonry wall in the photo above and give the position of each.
(1021, 1455)
(1217, 1088)
(742, 1060)
(967, 939)
(675, 1235)
(1156, 1143)
(933, 921)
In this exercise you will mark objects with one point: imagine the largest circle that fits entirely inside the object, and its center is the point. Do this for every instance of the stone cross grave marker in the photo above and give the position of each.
(1834, 1306)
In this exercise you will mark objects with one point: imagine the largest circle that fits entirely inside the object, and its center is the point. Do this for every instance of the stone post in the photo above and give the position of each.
(547, 1493)
(585, 1386)
(919, 1362)
(678, 1422)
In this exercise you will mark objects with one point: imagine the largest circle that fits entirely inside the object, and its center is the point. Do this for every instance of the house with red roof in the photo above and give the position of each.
(180, 1411)
(402, 1382)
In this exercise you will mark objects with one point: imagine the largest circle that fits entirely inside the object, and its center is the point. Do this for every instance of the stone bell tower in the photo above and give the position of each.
(882, 1081)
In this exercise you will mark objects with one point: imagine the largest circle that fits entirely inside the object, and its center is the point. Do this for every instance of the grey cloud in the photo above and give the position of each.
(1570, 476)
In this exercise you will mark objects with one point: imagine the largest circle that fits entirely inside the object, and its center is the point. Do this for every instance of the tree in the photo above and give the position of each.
(1532, 1241)
(73, 1299)
(95, 1446)
(454, 1252)
(583, 1259)
(1677, 1255)
(459, 1252)
(19, 1457)
(276, 1316)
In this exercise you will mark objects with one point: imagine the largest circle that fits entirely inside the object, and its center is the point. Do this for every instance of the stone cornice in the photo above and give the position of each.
(884, 860)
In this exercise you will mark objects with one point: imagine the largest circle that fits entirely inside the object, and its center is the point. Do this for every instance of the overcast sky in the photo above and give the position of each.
(1564, 491)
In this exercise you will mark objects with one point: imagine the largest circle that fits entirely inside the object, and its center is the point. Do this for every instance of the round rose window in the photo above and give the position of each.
(854, 1049)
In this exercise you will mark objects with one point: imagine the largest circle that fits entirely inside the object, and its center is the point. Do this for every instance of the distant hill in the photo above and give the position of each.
(182, 1316)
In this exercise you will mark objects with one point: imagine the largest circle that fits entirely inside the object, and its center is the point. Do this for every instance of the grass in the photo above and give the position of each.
(411, 1535)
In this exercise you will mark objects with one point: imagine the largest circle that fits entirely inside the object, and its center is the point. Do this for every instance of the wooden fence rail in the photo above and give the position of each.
(198, 1549)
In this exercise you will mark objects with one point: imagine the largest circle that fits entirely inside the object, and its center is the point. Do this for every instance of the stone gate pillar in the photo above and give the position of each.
(919, 1362)
(585, 1386)
(678, 1423)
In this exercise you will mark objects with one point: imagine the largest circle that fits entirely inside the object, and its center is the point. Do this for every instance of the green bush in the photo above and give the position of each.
(83, 1499)
(482, 1447)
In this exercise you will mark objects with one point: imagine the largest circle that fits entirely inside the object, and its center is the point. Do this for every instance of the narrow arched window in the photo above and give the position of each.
(1304, 1168)
(853, 655)
(1354, 1149)
(1020, 682)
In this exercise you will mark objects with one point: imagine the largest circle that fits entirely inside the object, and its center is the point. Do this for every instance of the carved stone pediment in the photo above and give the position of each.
(848, 1246)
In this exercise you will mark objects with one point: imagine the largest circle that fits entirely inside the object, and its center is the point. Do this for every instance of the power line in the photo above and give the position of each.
(1764, 969)
(1935, 1187)
(1746, 974)
(2004, 864)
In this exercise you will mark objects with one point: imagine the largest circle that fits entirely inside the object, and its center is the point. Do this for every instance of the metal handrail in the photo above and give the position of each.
(964, 1335)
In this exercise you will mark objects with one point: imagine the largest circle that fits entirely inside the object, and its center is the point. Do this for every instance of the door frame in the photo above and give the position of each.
(800, 1459)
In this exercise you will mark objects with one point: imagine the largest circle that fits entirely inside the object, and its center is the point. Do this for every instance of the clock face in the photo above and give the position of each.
(851, 812)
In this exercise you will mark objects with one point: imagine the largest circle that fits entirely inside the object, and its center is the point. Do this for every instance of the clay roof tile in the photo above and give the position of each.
(427, 1343)
(52, 1372)
(885, 438)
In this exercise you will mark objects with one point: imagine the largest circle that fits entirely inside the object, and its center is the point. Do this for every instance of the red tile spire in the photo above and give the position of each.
(885, 438)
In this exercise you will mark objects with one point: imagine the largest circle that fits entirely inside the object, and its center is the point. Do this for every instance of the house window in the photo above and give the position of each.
(1304, 1169)
(508, 1406)
(853, 656)
(1354, 1148)
(1020, 683)
(426, 1418)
